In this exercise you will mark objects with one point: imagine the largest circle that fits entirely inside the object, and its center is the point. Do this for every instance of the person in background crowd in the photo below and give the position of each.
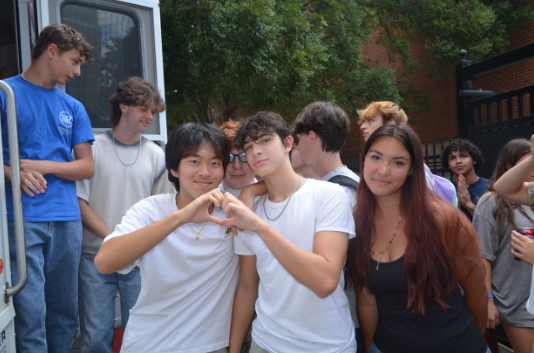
(128, 168)
(299, 167)
(406, 232)
(377, 114)
(292, 252)
(320, 131)
(189, 272)
(238, 173)
(51, 126)
(464, 160)
(506, 279)
(512, 186)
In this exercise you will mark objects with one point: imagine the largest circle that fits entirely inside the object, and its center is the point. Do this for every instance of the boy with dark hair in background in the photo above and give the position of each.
(51, 125)
(464, 159)
(128, 168)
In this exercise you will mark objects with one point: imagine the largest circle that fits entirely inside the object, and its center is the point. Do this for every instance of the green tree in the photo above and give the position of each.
(223, 55)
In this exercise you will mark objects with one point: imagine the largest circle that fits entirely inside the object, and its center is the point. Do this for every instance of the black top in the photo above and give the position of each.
(439, 330)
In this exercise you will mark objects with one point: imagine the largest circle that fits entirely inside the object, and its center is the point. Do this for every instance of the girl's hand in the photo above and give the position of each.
(198, 211)
(493, 315)
(523, 247)
(242, 217)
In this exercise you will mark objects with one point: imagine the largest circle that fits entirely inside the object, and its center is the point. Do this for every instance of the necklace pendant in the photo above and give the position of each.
(378, 264)
(197, 238)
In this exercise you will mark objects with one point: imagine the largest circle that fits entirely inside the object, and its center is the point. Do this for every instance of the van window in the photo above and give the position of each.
(115, 36)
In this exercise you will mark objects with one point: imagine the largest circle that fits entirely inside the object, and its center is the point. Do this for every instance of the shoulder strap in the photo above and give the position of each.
(344, 181)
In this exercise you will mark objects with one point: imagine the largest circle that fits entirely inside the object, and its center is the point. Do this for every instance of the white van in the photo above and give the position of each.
(126, 36)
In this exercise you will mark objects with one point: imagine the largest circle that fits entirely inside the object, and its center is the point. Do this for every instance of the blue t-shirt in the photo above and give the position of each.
(50, 124)
(476, 190)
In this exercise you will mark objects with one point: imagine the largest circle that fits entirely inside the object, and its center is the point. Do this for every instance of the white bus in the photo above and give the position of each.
(126, 36)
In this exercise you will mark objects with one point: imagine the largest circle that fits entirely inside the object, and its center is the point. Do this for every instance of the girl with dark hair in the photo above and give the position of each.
(189, 272)
(411, 252)
(506, 278)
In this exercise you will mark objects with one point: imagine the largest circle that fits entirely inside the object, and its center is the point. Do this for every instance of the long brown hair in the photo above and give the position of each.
(433, 230)
(511, 153)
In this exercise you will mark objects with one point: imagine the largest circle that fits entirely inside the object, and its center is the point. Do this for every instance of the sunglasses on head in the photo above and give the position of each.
(242, 157)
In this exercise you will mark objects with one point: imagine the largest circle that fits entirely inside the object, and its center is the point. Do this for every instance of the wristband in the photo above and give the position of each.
(490, 296)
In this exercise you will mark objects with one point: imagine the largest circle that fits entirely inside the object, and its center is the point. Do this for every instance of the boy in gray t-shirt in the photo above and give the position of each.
(128, 168)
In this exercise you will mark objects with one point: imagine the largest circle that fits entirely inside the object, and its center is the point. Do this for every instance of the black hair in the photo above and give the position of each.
(262, 123)
(463, 145)
(186, 139)
(327, 120)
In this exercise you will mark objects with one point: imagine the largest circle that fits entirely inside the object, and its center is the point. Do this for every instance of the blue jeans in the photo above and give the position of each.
(47, 307)
(97, 303)
(376, 350)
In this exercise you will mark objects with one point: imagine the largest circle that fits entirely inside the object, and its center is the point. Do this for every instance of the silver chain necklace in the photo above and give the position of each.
(265, 199)
(387, 247)
(117, 153)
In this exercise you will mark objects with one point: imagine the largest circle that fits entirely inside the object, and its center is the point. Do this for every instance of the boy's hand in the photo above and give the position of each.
(31, 181)
(523, 247)
(241, 216)
(464, 198)
(198, 211)
(493, 315)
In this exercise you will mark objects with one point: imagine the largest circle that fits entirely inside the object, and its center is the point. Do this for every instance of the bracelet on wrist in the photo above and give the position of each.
(490, 296)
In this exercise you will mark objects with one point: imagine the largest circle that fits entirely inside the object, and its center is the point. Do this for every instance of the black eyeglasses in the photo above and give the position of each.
(242, 157)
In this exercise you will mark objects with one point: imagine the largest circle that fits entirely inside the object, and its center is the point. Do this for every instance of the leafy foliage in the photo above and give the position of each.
(227, 57)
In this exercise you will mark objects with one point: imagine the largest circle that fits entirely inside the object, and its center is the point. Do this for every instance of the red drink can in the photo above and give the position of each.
(528, 232)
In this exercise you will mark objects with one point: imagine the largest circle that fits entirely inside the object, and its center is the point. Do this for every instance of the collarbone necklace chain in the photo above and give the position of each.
(197, 234)
(381, 253)
(117, 153)
(287, 203)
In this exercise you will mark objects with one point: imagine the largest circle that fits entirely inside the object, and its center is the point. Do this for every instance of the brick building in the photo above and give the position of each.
(440, 121)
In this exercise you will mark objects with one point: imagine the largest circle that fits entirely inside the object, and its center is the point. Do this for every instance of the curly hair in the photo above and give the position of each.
(134, 92)
(231, 128)
(463, 145)
(65, 38)
(388, 111)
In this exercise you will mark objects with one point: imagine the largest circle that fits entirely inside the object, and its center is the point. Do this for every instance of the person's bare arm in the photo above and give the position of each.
(318, 270)
(464, 197)
(249, 193)
(244, 302)
(81, 168)
(92, 222)
(493, 314)
(121, 251)
(511, 185)
(367, 316)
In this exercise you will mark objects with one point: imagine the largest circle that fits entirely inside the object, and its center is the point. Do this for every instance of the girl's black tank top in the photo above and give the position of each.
(440, 330)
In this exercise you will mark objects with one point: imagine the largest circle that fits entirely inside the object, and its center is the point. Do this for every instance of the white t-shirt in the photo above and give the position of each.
(187, 286)
(351, 192)
(290, 316)
(116, 187)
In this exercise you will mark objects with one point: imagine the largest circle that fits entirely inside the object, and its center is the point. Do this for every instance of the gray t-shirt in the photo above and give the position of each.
(510, 279)
(351, 193)
(116, 187)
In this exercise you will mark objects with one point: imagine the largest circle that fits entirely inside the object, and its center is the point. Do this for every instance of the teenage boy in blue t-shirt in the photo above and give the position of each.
(464, 159)
(51, 125)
